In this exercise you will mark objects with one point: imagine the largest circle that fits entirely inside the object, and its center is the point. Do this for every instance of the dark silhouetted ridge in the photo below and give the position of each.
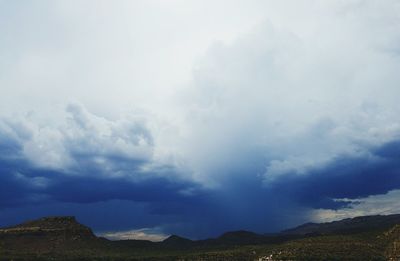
(347, 226)
(176, 242)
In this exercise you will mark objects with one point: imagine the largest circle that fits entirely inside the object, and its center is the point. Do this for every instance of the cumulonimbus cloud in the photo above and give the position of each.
(298, 114)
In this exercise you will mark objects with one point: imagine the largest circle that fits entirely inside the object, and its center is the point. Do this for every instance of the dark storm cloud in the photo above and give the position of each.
(88, 190)
(19, 181)
(116, 177)
(344, 177)
(390, 150)
(184, 207)
(180, 206)
(244, 203)
(14, 188)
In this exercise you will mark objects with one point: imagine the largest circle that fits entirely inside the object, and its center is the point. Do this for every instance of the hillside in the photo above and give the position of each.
(393, 237)
(346, 226)
(63, 238)
(46, 237)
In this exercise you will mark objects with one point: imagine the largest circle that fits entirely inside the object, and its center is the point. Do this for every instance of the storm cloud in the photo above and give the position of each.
(260, 117)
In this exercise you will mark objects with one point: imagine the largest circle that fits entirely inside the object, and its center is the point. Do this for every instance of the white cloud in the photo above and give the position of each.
(80, 139)
(108, 55)
(385, 204)
(150, 234)
(291, 83)
(300, 90)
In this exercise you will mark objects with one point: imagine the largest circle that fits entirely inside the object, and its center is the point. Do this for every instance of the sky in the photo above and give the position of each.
(147, 118)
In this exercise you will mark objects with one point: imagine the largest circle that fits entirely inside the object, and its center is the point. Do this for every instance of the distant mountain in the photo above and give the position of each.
(346, 226)
(175, 241)
(241, 237)
(63, 238)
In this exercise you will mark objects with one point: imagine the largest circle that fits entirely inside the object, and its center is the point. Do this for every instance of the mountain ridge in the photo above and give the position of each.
(347, 225)
(65, 238)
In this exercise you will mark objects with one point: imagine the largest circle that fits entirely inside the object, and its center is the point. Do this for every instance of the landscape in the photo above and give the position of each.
(200, 130)
(64, 238)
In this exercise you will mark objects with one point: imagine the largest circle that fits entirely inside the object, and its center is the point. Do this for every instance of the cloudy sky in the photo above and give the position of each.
(148, 118)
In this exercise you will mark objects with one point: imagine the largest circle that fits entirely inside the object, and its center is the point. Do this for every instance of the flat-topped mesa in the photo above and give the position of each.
(52, 223)
(65, 226)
